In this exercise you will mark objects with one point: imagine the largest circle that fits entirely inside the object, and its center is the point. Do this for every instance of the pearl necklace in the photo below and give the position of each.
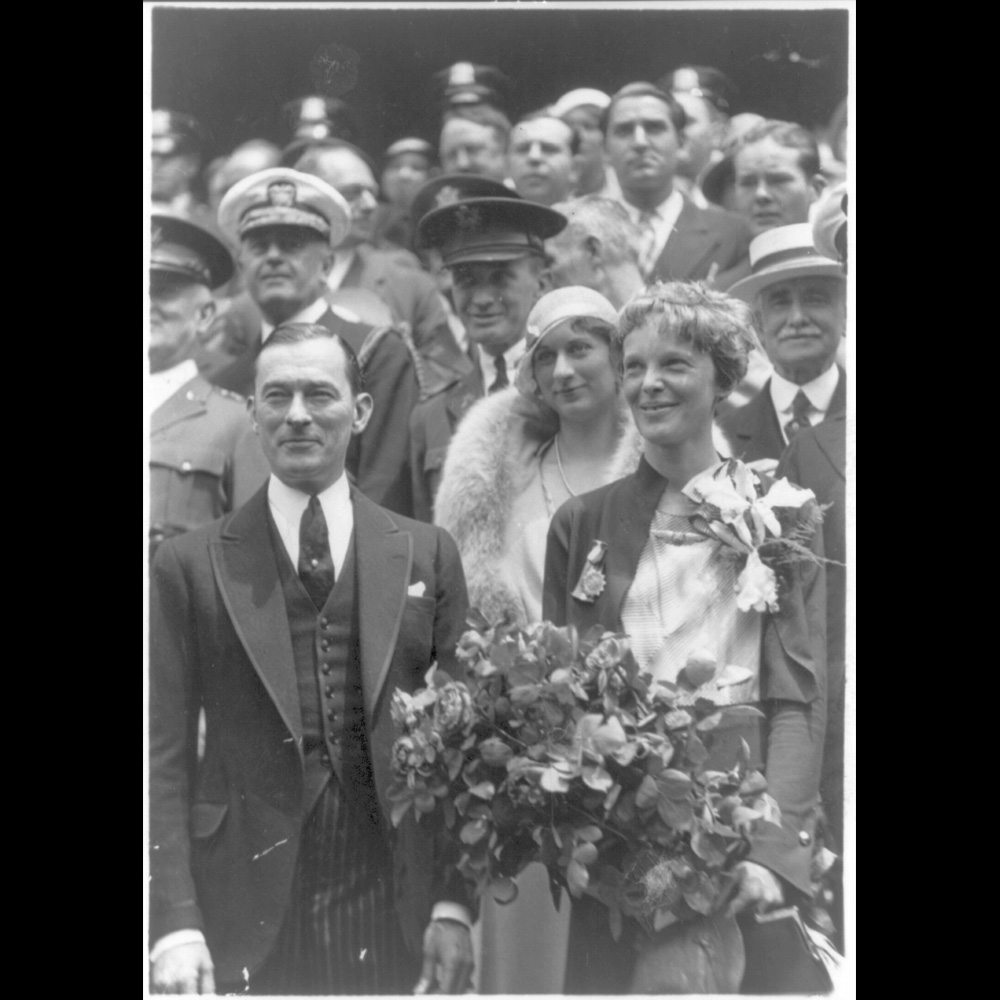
(569, 490)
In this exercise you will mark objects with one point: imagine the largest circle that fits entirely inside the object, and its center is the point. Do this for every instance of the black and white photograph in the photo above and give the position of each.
(499, 483)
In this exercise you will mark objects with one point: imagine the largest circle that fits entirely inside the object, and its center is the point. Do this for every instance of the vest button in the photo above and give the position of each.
(330, 690)
(326, 668)
(325, 645)
(324, 622)
(331, 715)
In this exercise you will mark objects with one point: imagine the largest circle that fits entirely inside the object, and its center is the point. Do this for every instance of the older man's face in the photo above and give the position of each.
(541, 161)
(642, 144)
(803, 321)
(771, 188)
(352, 178)
(179, 311)
(285, 267)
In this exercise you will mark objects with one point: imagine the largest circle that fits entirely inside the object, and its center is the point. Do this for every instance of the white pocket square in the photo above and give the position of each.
(416, 589)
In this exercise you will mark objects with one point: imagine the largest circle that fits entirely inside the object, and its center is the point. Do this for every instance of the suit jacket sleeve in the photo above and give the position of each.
(379, 457)
(423, 500)
(173, 718)
(452, 605)
(796, 721)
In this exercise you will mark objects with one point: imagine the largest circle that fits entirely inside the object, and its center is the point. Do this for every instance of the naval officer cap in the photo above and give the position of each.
(465, 83)
(187, 248)
(489, 229)
(284, 197)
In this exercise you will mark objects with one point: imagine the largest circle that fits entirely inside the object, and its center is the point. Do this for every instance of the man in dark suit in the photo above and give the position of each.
(494, 249)
(203, 459)
(643, 128)
(274, 866)
(801, 299)
(286, 225)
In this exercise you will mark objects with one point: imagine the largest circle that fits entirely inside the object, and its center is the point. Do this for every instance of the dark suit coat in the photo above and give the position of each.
(702, 237)
(225, 833)
(412, 295)
(792, 652)
(754, 431)
(817, 460)
(378, 458)
(431, 428)
(204, 459)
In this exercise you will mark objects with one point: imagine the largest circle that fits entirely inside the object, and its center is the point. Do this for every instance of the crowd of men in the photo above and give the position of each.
(425, 268)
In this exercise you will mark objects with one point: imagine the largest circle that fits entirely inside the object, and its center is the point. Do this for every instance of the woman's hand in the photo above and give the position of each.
(757, 885)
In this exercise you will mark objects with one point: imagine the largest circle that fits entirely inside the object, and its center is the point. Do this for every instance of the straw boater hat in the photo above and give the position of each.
(284, 197)
(552, 309)
(780, 255)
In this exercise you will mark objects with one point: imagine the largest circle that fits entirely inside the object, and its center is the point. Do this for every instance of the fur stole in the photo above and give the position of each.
(489, 463)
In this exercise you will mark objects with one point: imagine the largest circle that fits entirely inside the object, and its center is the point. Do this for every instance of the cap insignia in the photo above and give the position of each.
(448, 195)
(462, 75)
(281, 193)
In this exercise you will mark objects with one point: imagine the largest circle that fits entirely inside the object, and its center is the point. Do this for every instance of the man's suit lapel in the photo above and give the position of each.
(756, 431)
(384, 555)
(247, 574)
(689, 244)
(838, 402)
(190, 400)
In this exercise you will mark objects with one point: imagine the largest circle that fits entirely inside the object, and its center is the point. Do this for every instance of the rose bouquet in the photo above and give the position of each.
(557, 749)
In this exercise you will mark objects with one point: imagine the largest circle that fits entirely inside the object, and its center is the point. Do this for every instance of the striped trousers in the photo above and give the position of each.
(341, 934)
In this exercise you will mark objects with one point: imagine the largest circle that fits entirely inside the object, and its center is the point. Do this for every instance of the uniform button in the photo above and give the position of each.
(325, 645)
(326, 668)
(331, 715)
(325, 760)
(804, 839)
(330, 690)
(314, 563)
(185, 466)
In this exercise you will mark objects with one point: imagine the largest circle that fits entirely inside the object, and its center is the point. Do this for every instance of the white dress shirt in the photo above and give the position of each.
(288, 505)
(162, 385)
(819, 393)
(488, 363)
(308, 315)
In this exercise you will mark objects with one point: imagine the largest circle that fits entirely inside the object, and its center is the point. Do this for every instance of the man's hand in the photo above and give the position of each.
(185, 968)
(757, 885)
(448, 959)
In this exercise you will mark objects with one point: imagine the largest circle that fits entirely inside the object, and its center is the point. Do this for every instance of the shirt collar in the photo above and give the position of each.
(290, 502)
(342, 261)
(310, 314)
(487, 363)
(819, 391)
(162, 385)
(667, 211)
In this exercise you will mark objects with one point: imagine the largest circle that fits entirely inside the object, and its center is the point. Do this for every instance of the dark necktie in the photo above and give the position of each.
(501, 381)
(315, 560)
(801, 407)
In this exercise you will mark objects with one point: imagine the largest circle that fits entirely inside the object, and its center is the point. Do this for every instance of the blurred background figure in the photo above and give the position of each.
(597, 249)
(582, 108)
(474, 141)
(408, 164)
(707, 96)
(718, 184)
(315, 120)
(178, 147)
(678, 240)
(204, 459)
(542, 158)
(465, 84)
(245, 159)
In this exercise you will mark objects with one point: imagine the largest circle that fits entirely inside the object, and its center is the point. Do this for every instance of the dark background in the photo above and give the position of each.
(234, 69)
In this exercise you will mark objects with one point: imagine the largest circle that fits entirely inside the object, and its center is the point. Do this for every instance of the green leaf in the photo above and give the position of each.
(589, 833)
(696, 751)
(594, 776)
(678, 719)
(586, 854)
(709, 722)
(740, 713)
(708, 847)
(577, 877)
(674, 784)
(615, 921)
(504, 891)
(399, 810)
(475, 619)
(677, 815)
(664, 917)
(472, 833)
(484, 790)
(647, 793)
